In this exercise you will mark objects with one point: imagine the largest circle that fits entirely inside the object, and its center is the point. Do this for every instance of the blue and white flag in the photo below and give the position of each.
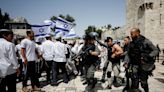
(51, 23)
(40, 30)
(71, 34)
(62, 26)
(51, 27)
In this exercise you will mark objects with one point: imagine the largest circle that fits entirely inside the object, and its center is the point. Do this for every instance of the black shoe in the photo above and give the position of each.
(163, 63)
(103, 80)
(65, 81)
(125, 89)
(54, 84)
(84, 83)
(48, 82)
(109, 87)
(116, 84)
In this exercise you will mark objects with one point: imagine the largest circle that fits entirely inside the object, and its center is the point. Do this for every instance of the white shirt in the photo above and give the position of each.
(47, 50)
(8, 60)
(30, 49)
(18, 49)
(74, 49)
(60, 51)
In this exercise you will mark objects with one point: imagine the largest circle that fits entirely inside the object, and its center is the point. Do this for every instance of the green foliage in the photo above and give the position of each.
(62, 16)
(93, 29)
(53, 18)
(109, 26)
(115, 28)
(67, 17)
(3, 18)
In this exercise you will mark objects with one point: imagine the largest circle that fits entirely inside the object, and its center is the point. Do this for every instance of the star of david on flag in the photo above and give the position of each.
(62, 27)
(40, 30)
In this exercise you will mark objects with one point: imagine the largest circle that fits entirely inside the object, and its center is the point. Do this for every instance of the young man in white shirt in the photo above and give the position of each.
(60, 51)
(29, 55)
(47, 53)
(8, 57)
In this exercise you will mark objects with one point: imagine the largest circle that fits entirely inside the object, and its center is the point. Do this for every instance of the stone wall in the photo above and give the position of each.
(148, 15)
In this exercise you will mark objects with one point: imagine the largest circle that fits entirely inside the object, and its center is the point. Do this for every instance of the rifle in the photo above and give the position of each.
(83, 53)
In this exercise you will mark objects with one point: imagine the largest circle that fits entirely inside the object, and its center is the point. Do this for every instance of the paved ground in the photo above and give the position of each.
(156, 83)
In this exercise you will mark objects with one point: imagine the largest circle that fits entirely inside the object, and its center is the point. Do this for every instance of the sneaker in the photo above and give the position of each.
(94, 83)
(109, 87)
(125, 89)
(36, 89)
(84, 83)
(103, 80)
(54, 84)
(24, 89)
(66, 81)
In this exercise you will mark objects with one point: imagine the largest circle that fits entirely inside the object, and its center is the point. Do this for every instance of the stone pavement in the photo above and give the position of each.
(156, 83)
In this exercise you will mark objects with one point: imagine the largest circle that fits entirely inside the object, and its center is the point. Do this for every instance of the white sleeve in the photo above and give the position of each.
(23, 44)
(12, 56)
(75, 49)
(65, 49)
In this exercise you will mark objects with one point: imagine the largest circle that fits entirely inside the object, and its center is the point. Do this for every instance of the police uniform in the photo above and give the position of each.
(90, 61)
(141, 67)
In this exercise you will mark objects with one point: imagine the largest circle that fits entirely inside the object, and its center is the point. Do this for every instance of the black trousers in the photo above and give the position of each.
(31, 73)
(139, 75)
(55, 68)
(48, 70)
(10, 82)
(20, 76)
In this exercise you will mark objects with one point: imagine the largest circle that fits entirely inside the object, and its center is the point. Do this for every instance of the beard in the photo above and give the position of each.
(134, 38)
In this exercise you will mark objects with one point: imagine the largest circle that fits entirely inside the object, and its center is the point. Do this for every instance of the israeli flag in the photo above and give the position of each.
(50, 22)
(62, 26)
(71, 34)
(52, 25)
(40, 30)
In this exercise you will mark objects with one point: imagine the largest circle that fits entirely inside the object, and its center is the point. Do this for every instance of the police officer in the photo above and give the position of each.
(90, 60)
(140, 58)
(125, 49)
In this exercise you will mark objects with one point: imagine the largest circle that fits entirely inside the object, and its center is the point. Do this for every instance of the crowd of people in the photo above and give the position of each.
(28, 60)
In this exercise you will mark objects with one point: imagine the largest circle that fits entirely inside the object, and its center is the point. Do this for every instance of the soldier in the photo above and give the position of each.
(140, 59)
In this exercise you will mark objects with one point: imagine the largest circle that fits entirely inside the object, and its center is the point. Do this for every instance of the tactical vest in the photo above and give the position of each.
(135, 50)
(88, 58)
(138, 49)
